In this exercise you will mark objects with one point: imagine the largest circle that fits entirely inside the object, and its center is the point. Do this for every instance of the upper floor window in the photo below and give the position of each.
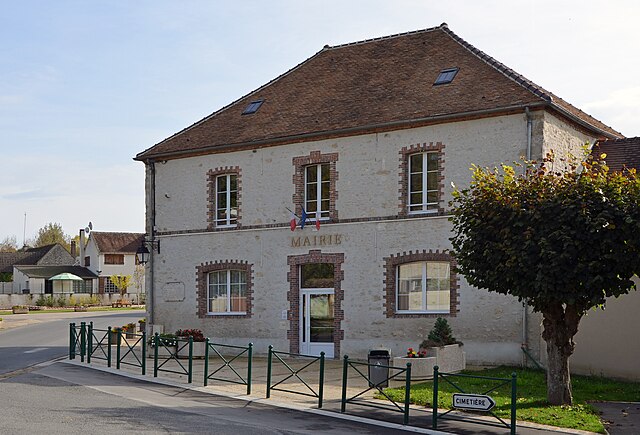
(317, 185)
(113, 258)
(227, 292)
(423, 182)
(423, 287)
(226, 200)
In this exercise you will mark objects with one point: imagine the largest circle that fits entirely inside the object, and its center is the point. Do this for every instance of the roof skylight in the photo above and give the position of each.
(446, 76)
(253, 107)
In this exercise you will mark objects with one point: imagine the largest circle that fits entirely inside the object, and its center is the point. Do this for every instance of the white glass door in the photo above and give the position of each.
(317, 322)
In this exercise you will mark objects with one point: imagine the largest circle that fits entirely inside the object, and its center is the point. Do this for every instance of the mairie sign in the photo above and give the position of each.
(473, 402)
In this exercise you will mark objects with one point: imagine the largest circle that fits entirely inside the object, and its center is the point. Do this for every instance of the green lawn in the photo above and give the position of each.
(531, 396)
(69, 310)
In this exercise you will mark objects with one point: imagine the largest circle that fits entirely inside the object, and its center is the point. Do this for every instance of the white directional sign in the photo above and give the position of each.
(473, 402)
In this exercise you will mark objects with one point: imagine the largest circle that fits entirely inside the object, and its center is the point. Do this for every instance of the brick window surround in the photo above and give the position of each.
(212, 174)
(403, 191)
(315, 158)
(202, 272)
(391, 264)
(293, 296)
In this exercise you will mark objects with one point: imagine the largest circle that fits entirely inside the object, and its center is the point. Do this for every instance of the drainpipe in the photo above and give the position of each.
(525, 306)
(150, 229)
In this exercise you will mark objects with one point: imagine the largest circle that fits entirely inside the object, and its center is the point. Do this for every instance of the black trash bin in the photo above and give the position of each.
(379, 367)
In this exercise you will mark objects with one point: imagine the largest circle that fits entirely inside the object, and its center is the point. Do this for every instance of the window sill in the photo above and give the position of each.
(234, 313)
(400, 313)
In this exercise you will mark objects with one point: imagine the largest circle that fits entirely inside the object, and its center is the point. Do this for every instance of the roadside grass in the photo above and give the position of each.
(531, 399)
(70, 310)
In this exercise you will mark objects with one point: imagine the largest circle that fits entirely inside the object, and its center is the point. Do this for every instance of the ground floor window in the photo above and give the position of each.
(227, 292)
(109, 286)
(84, 286)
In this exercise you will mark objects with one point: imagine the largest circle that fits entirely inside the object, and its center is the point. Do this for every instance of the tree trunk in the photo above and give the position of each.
(560, 325)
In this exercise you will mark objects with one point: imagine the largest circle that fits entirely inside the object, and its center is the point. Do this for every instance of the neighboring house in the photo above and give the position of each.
(368, 137)
(111, 253)
(49, 255)
(620, 154)
(36, 279)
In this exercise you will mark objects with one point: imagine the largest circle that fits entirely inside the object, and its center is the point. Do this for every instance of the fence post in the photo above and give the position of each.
(83, 340)
(108, 346)
(407, 393)
(513, 402)
(90, 342)
(321, 381)
(345, 365)
(72, 340)
(435, 398)
(249, 363)
(269, 371)
(190, 375)
(118, 348)
(206, 361)
(144, 353)
(156, 343)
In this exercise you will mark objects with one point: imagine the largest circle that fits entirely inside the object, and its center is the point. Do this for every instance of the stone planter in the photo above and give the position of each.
(421, 368)
(141, 326)
(20, 310)
(198, 349)
(449, 359)
(163, 351)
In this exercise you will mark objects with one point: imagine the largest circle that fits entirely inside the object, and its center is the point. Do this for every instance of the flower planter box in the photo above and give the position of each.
(198, 349)
(163, 351)
(449, 359)
(421, 368)
(20, 310)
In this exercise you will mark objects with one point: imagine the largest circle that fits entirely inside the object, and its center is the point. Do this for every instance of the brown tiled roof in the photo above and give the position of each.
(30, 256)
(381, 83)
(620, 153)
(117, 242)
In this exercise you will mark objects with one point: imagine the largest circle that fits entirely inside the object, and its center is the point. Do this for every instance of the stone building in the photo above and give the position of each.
(368, 138)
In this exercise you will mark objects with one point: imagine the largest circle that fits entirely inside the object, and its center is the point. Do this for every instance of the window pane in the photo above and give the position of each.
(312, 192)
(218, 292)
(234, 182)
(325, 189)
(432, 197)
(416, 183)
(410, 286)
(317, 275)
(311, 208)
(438, 286)
(416, 163)
(325, 205)
(312, 174)
(432, 161)
(432, 180)
(222, 200)
(416, 198)
(222, 183)
(325, 173)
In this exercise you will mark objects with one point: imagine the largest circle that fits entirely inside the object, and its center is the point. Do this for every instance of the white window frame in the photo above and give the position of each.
(324, 214)
(425, 206)
(229, 221)
(425, 309)
(109, 286)
(228, 288)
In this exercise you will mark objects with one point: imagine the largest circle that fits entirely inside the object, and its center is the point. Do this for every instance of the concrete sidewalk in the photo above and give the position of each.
(304, 381)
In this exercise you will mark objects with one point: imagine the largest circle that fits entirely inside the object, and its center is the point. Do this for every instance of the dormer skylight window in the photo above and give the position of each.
(253, 107)
(446, 76)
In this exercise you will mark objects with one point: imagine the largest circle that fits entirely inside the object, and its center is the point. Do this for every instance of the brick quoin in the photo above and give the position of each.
(293, 296)
(391, 264)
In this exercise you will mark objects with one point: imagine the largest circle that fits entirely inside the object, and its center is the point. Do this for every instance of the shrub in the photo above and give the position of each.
(440, 335)
(196, 334)
(41, 301)
(49, 301)
(72, 301)
(61, 301)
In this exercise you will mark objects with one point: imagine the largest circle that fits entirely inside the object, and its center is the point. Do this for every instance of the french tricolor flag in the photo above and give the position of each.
(317, 221)
(293, 221)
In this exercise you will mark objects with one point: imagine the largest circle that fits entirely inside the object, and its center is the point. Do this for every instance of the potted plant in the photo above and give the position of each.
(198, 343)
(141, 324)
(167, 344)
(20, 309)
(114, 335)
(129, 330)
(421, 364)
(442, 345)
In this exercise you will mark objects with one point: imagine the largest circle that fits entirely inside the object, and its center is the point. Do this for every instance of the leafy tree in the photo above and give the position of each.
(122, 282)
(560, 240)
(52, 233)
(138, 277)
(9, 244)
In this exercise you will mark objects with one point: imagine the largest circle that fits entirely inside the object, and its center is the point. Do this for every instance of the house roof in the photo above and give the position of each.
(26, 257)
(127, 243)
(371, 85)
(47, 272)
(620, 153)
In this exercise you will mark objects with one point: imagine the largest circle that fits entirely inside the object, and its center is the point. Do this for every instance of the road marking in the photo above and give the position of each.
(37, 349)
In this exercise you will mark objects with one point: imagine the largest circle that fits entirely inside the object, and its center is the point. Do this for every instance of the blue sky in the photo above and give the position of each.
(84, 86)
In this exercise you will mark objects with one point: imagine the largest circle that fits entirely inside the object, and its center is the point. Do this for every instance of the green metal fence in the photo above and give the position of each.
(227, 361)
(77, 340)
(134, 347)
(498, 383)
(296, 373)
(377, 384)
(99, 344)
(172, 357)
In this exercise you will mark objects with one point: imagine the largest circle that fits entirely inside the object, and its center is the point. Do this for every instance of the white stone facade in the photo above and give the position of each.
(369, 230)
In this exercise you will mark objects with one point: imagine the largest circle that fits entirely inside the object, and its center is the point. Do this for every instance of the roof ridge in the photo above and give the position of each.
(223, 108)
(380, 38)
(502, 68)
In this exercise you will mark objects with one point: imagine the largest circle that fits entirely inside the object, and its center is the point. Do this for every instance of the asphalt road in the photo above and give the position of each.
(25, 346)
